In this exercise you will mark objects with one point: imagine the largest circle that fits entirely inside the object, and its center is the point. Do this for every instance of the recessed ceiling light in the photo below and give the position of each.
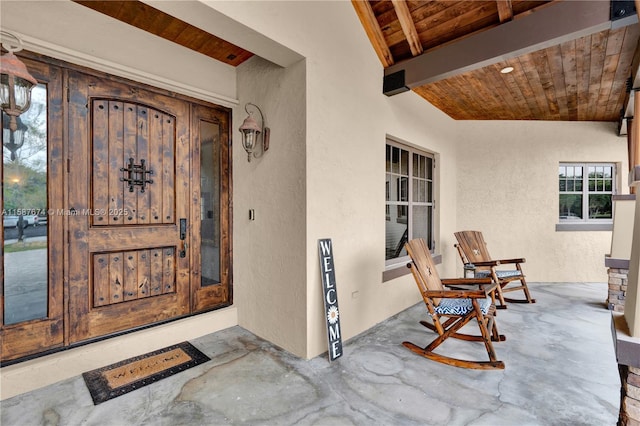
(506, 70)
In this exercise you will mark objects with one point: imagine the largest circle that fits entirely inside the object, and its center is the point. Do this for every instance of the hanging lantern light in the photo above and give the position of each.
(13, 139)
(15, 83)
(251, 132)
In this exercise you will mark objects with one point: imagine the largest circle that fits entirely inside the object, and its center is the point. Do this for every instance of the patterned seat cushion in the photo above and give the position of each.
(461, 306)
(500, 274)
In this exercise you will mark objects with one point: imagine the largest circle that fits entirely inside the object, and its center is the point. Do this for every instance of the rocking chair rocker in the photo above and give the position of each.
(473, 249)
(450, 310)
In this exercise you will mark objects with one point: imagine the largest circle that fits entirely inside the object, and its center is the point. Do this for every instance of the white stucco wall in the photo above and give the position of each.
(508, 189)
(348, 119)
(269, 252)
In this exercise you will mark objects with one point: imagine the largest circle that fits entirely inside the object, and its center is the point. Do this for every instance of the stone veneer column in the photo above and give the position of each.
(617, 288)
(630, 396)
(627, 351)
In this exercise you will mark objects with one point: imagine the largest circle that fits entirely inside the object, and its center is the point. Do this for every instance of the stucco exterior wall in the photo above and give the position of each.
(348, 119)
(508, 189)
(269, 252)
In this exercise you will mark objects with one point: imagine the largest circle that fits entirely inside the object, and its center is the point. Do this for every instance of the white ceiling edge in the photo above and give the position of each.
(201, 14)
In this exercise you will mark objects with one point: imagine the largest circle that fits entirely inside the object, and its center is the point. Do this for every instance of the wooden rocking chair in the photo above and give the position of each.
(450, 310)
(473, 249)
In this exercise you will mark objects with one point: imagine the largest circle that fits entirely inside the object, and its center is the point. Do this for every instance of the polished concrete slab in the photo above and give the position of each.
(560, 370)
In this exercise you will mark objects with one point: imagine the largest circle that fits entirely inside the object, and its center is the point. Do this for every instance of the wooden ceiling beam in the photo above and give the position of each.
(408, 26)
(550, 26)
(372, 28)
(505, 10)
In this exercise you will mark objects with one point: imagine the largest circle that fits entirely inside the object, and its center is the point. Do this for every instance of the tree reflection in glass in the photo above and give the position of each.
(24, 215)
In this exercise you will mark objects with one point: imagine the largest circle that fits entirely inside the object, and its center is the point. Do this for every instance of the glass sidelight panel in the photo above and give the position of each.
(210, 202)
(24, 213)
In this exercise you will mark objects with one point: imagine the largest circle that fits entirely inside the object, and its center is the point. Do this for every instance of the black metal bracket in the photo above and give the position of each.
(136, 175)
(621, 9)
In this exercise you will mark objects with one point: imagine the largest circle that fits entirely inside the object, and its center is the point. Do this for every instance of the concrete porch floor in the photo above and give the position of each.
(560, 370)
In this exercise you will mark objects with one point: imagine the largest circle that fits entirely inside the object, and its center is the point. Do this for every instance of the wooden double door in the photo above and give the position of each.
(143, 214)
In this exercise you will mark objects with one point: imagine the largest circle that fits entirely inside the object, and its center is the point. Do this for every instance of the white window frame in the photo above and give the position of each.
(586, 223)
(392, 204)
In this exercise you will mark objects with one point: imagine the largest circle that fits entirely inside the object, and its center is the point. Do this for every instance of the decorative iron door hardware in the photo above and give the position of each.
(136, 174)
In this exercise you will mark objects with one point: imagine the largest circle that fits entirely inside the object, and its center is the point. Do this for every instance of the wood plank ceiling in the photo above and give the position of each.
(583, 79)
(156, 22)
(580, 79)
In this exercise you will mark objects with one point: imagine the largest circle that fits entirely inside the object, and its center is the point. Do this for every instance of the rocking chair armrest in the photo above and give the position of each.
(488, 263)
(465, 281)
(459, 284)
(512, 261)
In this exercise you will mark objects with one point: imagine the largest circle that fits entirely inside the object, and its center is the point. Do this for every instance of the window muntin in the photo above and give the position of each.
(409, 209)
(585, 191)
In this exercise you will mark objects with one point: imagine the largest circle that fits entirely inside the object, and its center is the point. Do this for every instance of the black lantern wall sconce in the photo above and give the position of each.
(254, 135)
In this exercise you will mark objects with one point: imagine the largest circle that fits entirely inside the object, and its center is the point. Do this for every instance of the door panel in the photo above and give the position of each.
(123, 276)
(211, 229)
(127, 139)
(40, 333)
(125, 239)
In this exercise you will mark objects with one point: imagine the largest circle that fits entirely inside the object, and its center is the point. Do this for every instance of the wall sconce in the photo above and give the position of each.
(251, 133)
(15, 82)
(13, 139)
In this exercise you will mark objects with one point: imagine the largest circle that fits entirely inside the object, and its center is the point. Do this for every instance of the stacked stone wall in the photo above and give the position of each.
(630, 396)
(617, 289)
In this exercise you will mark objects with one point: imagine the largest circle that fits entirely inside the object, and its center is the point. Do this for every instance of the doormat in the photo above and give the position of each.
(125, 376)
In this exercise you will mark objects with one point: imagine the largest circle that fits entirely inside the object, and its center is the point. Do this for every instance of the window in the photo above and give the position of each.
(24, 207)
(409, 208)
(586, 190)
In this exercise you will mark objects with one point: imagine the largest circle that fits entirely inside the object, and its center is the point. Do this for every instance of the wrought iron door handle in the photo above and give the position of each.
(183, 236)
(183, 252)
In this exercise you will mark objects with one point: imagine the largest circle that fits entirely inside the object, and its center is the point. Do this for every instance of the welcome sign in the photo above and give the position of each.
(330, 298)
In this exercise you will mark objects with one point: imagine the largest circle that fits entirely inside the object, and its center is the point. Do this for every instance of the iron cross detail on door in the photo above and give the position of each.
(136, 174)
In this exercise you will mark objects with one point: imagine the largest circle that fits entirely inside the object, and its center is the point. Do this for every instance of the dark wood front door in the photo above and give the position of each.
(129, 211)
(133, 188)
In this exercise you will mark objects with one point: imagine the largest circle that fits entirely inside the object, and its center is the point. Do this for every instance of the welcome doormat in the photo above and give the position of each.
(125, 376)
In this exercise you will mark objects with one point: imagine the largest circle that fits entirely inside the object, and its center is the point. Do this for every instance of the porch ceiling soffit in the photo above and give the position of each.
(566, 20)
(203, 14)
(163, 25)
